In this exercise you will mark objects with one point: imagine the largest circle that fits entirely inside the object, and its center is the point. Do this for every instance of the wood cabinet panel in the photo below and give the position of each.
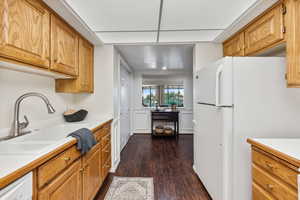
(106, 139)
(106, 153)
(105, 168)
(84, 83)
(86, 66)
(276, 168)
(259, 193)
(235, 46)
(67, 186)
(293, 43)
(266, 31)
(272, 185)
(92, 176)
(25, 32)
(64, 47)
(56, 165)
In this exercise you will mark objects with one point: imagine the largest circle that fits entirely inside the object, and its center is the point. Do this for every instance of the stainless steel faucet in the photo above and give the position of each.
(18, 126)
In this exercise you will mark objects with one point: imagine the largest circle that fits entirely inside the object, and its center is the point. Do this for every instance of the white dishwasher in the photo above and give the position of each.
(21, 189)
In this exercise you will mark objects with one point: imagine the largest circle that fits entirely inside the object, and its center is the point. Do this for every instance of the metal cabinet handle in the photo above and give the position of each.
(66, 159)
(269, 165)
(270, 187)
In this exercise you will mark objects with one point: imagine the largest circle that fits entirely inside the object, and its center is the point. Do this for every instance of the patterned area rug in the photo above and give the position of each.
(124, 188)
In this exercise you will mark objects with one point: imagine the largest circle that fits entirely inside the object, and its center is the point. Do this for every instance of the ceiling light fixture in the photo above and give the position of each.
(153, 66)
(164, 68)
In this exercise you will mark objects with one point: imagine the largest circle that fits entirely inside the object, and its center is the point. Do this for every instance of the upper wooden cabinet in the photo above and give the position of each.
(25, 32)
(265, 32)
(64, 47)
(234, 46)
(293, 43)
(86, 66)
(84, 83)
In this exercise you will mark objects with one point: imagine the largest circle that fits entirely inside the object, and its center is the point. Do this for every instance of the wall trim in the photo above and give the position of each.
(115, 166)
(70, 16)
(256, 9)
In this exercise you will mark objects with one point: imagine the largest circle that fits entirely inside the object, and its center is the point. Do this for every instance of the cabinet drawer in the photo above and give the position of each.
(264, 32)
(259, 193)
(105, 168)
(272, 185)
(98, 135)
(66, 186)
(275, 168)
(56, 165)
(105, 140)
(106, 153)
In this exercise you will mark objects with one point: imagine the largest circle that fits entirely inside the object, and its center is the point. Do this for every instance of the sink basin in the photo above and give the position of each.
(51, 134)
(23, 147)
(39, 140)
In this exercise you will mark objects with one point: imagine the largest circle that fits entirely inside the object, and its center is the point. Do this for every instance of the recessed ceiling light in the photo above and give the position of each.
(153, 66)
(164, 68)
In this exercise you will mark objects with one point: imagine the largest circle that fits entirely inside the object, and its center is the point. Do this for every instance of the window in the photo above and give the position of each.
(173, 94)
(164, 95)
(150, 96)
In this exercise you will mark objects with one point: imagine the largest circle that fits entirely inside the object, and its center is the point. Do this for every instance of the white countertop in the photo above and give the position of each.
(288, 146)
(49, 137)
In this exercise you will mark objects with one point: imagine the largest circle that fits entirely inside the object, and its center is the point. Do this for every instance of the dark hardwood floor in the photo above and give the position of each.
(168, 161)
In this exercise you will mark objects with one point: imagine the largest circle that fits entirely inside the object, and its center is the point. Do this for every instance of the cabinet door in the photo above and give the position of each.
(67, 186)
(86, 66)
(64, 47)
(91, 176)
(265, 32)
(234, 46)
(293, 43)
(25, 32)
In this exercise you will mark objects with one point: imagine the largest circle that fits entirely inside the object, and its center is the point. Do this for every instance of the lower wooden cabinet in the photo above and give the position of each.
(273, 178)
(92, 178)
(67, 186)
(74, 177)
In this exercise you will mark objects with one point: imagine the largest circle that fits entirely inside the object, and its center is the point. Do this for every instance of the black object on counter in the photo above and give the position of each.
(77, 116)
(85, 140)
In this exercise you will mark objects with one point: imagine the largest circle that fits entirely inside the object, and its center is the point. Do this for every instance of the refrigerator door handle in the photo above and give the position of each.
(218, 76)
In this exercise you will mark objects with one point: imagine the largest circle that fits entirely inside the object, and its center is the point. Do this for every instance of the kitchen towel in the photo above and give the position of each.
(85, 139)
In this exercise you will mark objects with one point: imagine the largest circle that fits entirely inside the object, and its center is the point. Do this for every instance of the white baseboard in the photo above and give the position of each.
(194, 168)
(115, 166)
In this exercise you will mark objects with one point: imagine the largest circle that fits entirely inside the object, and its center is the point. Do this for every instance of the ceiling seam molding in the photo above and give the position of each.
(159, 19)
(167, 30)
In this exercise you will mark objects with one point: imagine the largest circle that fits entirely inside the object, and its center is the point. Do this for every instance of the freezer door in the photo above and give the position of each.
(214, 84)
(212, 149)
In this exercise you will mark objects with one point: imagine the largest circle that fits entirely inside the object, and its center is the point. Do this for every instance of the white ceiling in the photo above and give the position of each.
(138, 21)
(150, 59)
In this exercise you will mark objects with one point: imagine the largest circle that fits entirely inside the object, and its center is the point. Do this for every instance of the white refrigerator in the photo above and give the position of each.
(237, 98)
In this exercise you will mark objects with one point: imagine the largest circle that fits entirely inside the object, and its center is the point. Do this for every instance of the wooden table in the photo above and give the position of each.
(167, 116)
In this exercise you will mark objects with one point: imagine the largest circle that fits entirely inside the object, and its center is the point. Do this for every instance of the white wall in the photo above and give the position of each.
(101, 101)
(141, 115)
(13, 84)
(205, 53)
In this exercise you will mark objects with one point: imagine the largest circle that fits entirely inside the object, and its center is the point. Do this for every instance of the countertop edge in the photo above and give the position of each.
(275, 152)
(4, 181)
